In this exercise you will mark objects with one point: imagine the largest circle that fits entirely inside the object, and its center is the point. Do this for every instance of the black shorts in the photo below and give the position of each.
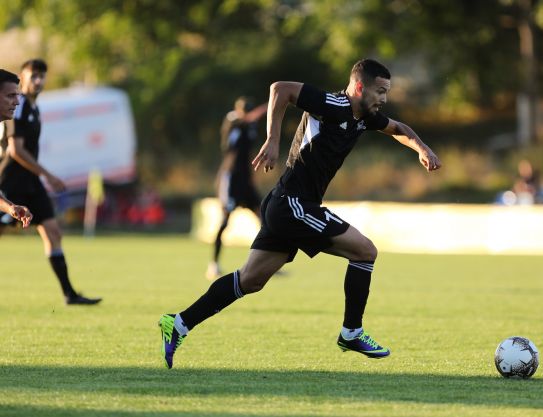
(37, 201)
(242, 196)
(289, 224)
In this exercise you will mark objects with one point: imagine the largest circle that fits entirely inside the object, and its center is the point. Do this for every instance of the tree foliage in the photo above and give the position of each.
(183, 63)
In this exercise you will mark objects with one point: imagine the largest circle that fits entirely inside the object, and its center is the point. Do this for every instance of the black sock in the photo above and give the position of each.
(357, 289)
(58, 263)
(223, 292)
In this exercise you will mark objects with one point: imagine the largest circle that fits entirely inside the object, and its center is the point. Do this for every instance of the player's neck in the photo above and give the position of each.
(30, 97)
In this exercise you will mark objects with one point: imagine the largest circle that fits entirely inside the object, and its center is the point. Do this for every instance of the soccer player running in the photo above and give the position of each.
(234, 181)
(292, 215)
(9, 99)
(20, 175)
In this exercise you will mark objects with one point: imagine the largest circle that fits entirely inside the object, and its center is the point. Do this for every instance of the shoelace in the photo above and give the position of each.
(168, 332)
(179, 341)
(366, 338)
(167, 328)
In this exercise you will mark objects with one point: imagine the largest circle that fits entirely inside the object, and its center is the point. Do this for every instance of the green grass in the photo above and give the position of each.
(270, 354)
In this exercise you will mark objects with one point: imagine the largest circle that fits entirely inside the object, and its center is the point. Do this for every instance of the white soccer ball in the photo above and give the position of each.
(516, 357)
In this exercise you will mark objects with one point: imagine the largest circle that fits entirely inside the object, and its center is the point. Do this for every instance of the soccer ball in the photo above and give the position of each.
(516, 357)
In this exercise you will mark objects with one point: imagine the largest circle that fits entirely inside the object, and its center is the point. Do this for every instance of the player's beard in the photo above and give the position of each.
(366, 109)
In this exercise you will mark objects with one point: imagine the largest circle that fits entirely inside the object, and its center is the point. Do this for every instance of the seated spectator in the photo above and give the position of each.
(527, 186)
(526, 189)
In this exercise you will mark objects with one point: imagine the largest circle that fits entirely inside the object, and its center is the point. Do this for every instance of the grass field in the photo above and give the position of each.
(270, 354)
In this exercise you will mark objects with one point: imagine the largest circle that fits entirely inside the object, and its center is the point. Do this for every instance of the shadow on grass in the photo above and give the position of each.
(28, 411)
(316, 386)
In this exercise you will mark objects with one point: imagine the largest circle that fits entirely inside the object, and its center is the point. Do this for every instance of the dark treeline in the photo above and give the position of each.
(184, 62)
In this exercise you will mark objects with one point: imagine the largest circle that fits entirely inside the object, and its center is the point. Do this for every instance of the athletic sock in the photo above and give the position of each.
(357, 289)
(58, 263)
(223, 292)
(350, 334)
(179, 325)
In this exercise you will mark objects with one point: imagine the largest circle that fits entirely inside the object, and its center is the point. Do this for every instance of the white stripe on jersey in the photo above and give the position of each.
(298, 212)
(312, 129)
(19, 109)
(337, 101)
(338, 104)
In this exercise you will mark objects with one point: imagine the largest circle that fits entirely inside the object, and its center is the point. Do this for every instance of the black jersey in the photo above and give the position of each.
(240, 137)
(327, 133)
(26, 123)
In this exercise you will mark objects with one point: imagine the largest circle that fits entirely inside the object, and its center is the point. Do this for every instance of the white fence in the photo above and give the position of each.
(407, 228)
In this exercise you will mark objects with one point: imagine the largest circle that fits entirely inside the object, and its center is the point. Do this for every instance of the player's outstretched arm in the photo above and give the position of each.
(282, 93)
(255, 114)
(5, 204)
(407, 136)
(23, 157)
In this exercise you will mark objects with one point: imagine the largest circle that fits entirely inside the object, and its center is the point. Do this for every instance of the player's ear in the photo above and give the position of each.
(359, 87)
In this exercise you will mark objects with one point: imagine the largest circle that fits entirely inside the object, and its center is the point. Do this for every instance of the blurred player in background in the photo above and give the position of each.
(9, 99)
(20, 175)
(234, 182)
(293, 217)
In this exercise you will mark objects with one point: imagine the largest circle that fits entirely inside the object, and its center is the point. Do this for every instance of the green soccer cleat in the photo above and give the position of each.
(171, 338)
(364, 344)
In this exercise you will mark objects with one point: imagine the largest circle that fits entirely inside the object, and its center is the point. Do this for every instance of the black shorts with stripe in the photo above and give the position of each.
(242, 196)
(289, 224)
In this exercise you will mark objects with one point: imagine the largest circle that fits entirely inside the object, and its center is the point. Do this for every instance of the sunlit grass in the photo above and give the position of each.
(270, 354)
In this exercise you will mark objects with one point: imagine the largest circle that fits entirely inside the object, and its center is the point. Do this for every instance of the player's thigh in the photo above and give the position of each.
(353, 245)
(259, 268)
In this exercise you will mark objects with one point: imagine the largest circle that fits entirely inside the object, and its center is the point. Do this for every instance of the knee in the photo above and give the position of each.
(368, 251)
(251, 281)
(250, 288)
(55, 236)
(373, 252)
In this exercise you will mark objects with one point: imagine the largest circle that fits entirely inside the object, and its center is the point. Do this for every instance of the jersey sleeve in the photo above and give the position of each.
(332, 107)
(17, 127)
(378, 121)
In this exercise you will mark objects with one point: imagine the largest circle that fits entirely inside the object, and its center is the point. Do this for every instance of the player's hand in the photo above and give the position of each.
(21, 213)
(267, 157)
(56, 183)
(429, 160)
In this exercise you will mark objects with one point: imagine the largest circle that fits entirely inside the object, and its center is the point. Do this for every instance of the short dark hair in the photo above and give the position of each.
(35, 64)
(244, 103)
(368, 70)
(8, 77)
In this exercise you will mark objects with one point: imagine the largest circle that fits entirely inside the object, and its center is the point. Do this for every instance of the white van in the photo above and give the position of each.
(86, 129)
